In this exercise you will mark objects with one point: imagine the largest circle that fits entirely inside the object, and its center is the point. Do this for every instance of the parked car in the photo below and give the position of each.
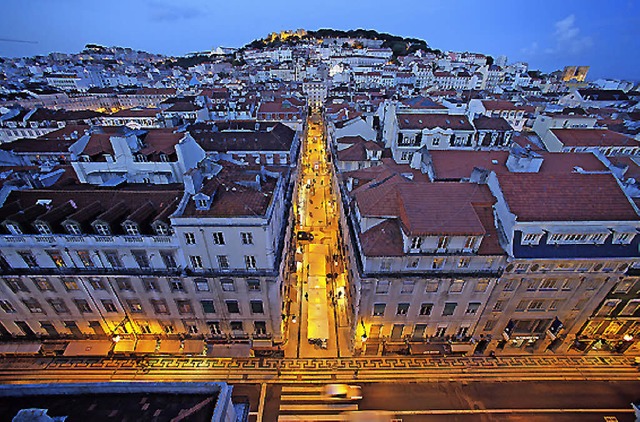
(305, 236)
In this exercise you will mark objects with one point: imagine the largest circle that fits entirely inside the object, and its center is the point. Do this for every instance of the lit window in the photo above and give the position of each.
(378, 309)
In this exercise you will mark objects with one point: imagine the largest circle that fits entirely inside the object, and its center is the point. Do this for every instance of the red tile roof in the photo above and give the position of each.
(431, 121)
(500, 105)
(593, 138)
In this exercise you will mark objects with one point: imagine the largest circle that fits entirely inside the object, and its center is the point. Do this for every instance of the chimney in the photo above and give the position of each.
(523, 160)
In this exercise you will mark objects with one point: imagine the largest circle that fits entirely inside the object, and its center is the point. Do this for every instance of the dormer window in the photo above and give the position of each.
(13, 228)
(162, 230)
(470, 242)
(73, 228)
(531, 238)
(623, 238)
(164, 158)
(85, 158)
(43, 228)
(443, 242)
(102, 229)
(416, 242)
(131, 228)
(140, 158)
(202, 201)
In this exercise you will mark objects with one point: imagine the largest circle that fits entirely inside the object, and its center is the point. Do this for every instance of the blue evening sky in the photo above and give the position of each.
(548, 34)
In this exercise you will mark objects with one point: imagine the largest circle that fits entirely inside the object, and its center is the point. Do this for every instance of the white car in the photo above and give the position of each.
(343, 392)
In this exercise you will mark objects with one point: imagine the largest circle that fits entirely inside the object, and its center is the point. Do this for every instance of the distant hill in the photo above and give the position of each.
(399, 45)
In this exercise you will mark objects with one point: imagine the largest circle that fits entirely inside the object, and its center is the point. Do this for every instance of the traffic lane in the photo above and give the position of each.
(502, 395)
(521, 417)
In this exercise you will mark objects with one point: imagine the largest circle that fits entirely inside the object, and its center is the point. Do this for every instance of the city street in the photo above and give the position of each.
(464, 389)
(319, 270)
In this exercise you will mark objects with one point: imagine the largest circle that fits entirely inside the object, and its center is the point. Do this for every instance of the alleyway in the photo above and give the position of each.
(320, 302)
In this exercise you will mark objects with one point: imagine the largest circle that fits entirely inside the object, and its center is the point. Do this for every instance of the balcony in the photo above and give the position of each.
(87, 241)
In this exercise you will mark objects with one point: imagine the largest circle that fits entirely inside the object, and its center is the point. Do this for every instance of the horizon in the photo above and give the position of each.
(546, 38)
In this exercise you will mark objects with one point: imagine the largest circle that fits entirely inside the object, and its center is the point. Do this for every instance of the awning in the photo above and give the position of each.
(169, 346)
(146, 346)
(240, 350)
(461, 348)
(427, 348)
(194, 347)
(20, 348)
(88, 348)
(124, 346)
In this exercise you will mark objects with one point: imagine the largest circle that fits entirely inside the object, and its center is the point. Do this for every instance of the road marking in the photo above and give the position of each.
(298, 389)
(263, 394)
(339, 407)
(503, 411)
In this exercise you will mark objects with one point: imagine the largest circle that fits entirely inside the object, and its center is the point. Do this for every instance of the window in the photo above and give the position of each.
(437, 264)
(176, 285)
(43, 228)
(260, 328)
(109, 306)
(196, 262)
(16, 285)
(85, 258)
(159, 306)
(135, 306)
(247, 238)
(113, 259)
(472, 308)
(207, 306)
(536, 305)
(214, 328)
(218, 238)
(440, 331)
(201, 203)
(70, 283)
(7, 307)
(499, 306)
(151, 285)
(532, 285)
(168, 259)
(481, 285)
(449, 308)
(236, 327)
(382, 287)
(631, 308)
(403, 309)
(228, 285)
(470, 242)
(28, 259)
(624, 286)
(253, 285)
(57, 259)
(33, 306)
(250, 262)
(202, 285)
(14, 229)
(567, 284)
(554, 305)
(443, 242)
(169, 329)
(83, 306)
(184, 306)
(425, 309)
(416, 242)
(124, 285)
(96, 283)
(385, 264)
(131, 228)
(102, 229)
(232, 306)
(488, 326)
(456, 286)
(190, 238)
(58, 306)
(378, 309)
(257, 307)
(408, 286)
(223, 261)
(432, 286)
(464, 262)
(141, 259)
(522, 305)
(549, 284)
(43, 284)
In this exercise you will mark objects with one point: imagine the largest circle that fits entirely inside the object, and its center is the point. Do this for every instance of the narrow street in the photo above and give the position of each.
(319, 304)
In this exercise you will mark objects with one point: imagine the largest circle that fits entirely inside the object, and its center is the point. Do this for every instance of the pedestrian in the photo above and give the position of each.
(306, 296)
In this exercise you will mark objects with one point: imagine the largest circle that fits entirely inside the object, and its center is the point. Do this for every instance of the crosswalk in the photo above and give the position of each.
(308, 403)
